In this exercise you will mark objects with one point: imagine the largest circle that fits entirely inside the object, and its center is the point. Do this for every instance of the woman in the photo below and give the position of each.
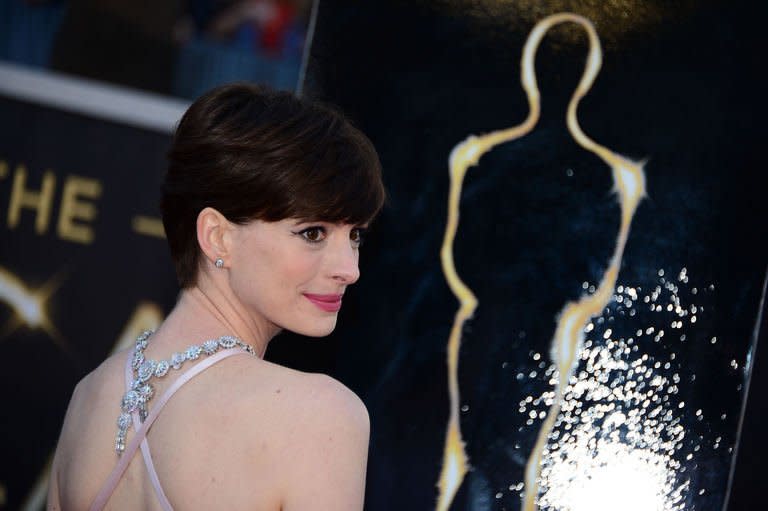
(264, 204)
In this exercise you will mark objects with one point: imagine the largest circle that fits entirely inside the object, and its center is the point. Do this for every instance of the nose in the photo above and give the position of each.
(344, 266)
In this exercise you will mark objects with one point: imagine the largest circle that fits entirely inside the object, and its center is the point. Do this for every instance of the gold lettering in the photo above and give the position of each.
(3, 169)
(76, 187)
(23, 198)
(148, 226)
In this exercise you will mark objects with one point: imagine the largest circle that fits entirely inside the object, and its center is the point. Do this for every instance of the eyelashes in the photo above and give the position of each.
(317, 233)
(357, 235)
(313, 234)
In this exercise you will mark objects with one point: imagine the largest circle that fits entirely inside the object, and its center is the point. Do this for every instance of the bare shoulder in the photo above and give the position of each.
(321, 431)
(308, 401)
(325, 391)
(79, 456)
(329, 406)
(102, 384)
(303, 438)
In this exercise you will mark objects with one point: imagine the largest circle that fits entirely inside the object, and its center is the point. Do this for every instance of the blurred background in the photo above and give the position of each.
(174, 48)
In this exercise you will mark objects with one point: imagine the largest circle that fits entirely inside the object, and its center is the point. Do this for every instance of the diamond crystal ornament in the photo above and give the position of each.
(146, 369)
(124, 420)
(193, 352)
(146, 392)
(228, 342)
(162, 368)
(138, 358)
(130, 401)
(176, 360)
(136, 399)
(141, 341)
(211, 346)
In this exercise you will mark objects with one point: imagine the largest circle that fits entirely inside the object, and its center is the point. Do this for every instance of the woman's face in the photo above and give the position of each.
(293, 273)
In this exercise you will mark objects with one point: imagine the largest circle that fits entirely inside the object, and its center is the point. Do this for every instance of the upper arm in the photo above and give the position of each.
(52, 501)
(328, 451)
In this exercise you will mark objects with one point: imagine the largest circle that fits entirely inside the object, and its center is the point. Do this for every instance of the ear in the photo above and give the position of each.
(213, 235)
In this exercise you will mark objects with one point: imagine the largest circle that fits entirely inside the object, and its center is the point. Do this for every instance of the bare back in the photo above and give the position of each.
(243, 434)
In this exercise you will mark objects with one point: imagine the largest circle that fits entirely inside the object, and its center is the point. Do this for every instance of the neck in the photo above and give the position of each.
(208, 311)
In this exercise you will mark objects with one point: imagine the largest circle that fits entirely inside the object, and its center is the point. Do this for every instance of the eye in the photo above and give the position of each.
(314, 234)
(357, 235)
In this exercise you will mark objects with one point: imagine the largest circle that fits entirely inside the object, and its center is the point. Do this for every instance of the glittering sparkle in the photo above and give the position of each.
(594, 475)
(28, 305)
(619, 435)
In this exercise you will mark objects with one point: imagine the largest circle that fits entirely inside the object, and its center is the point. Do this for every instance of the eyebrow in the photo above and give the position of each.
(299, 221)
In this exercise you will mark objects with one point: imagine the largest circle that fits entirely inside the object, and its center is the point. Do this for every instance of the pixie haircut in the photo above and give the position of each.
(254, 153)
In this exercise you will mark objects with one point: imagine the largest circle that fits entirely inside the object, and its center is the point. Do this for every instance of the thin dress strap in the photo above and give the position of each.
(140, 437)
(161, 497)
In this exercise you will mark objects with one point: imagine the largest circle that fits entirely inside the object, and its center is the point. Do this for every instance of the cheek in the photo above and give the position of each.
(291, 269)
(300, 268)
(255, 273)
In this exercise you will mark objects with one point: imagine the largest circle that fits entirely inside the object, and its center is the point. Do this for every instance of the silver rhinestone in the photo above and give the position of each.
(147, 391)
(130, 401)
(177, 359)
(193, 352)
(161, 369)
(210, 347)
(227, 342)
(138, 358)
(124, 421)
(141, 341)
(146, 369)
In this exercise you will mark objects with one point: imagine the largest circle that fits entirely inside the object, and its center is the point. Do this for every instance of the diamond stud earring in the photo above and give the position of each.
(219, 263)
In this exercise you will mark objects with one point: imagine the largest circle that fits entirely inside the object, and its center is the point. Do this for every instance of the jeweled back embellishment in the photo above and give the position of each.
(193, 352)
(145, 370)
(228, 341)
(141, 391)
(130, 401)
(162, 368)
(176, 360)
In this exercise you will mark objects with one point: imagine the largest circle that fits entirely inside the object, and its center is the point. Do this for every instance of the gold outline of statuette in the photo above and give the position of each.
(629, 185)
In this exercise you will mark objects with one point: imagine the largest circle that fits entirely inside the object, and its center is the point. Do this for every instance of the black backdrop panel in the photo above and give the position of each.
(71, 188)
(678, 89)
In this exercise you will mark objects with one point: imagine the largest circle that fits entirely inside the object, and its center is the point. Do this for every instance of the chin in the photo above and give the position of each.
(316, 328)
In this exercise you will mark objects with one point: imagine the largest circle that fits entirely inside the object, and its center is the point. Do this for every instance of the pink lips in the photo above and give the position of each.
(328, 303)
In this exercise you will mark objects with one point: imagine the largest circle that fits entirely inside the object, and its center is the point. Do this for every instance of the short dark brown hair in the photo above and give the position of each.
(254, 153)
